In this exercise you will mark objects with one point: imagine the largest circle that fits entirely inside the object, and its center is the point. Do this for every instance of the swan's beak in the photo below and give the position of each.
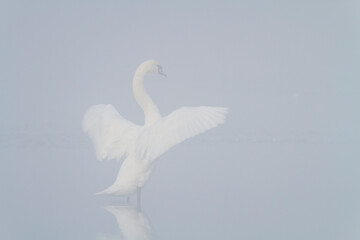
(161, 73)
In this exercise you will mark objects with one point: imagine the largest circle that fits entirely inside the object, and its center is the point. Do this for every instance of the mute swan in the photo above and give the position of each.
(114, 137)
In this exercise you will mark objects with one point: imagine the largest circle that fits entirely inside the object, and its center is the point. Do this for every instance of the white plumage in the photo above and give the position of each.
(114, 137)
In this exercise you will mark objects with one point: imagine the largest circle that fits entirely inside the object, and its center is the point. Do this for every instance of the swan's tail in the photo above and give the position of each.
(100, 193)
(108, 191)
(115, 190)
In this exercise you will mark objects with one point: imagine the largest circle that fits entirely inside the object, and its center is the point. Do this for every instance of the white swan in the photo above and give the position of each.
(114, 137)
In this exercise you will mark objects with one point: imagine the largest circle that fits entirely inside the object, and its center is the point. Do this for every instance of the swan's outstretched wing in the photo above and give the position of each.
(112, 135)
(179, 125)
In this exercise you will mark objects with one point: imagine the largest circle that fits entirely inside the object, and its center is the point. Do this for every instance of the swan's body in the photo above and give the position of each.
(114, 137)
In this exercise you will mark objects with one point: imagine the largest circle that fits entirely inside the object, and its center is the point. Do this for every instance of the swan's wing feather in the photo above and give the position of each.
(181, 124)
(112, 135)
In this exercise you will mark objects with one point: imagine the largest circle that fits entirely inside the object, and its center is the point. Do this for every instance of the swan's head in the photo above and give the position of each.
(151, 66)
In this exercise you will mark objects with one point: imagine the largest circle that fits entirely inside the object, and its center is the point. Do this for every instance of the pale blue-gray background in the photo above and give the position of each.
(285, 165)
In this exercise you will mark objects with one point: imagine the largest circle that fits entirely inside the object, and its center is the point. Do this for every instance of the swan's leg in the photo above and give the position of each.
(139, 198)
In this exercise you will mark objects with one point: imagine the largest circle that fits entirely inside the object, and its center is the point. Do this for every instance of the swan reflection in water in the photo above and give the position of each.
(132, 222)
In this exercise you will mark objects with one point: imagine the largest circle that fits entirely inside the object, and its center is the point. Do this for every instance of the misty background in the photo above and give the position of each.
(284, 165)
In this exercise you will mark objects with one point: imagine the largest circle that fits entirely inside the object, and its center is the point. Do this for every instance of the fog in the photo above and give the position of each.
(284, 165)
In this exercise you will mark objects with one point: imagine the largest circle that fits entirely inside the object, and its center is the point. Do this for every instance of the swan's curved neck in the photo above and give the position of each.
(151, 112)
